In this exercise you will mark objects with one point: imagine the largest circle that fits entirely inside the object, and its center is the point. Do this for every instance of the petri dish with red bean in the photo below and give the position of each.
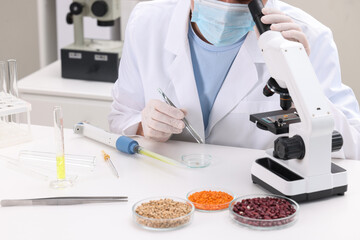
(264, 211)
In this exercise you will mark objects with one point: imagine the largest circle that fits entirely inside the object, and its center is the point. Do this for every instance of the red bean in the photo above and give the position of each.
(264, 208)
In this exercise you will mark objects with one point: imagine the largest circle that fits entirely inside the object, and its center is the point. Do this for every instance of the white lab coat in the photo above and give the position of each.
(156, 55)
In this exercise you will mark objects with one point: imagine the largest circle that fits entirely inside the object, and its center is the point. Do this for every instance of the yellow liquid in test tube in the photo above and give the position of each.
(60, 167)
(61, 181)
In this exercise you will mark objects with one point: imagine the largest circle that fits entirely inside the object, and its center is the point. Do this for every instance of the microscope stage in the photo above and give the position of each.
(98, 45)
(276, 122)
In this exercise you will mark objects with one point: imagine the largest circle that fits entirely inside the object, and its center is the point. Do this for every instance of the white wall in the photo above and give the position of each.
(27, 33)
(343, 18)
(47, 31)
(19, 35)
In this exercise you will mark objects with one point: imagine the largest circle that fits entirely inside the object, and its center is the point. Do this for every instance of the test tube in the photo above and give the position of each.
(13, 89)
(61, 181)
(3, 87)
(3, 84)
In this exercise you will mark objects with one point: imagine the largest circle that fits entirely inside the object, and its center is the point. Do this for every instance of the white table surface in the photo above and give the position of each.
(141, 177)
(48, 81)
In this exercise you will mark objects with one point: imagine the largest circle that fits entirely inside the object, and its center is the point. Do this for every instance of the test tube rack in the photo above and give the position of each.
(14, 120)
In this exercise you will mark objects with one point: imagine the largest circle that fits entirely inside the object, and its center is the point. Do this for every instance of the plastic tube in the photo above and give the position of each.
(157, 156)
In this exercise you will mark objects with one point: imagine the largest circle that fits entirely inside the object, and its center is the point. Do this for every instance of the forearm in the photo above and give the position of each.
(124, 118)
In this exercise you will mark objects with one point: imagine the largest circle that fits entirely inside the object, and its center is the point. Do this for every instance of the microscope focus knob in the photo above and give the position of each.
(69, 18)
(337, 141)
(76, 8)
(99, 8)
(289, 148)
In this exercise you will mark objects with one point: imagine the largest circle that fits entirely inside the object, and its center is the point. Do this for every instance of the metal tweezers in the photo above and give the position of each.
(191, 130)
(61, 201)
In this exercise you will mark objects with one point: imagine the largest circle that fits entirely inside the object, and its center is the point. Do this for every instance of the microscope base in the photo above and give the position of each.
(280, 180)
(96, 60)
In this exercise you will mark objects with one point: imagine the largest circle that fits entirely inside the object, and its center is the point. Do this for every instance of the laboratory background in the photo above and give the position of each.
(131, 187)
(40, 30)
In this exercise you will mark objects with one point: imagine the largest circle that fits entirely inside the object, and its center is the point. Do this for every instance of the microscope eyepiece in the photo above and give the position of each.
(255, 7)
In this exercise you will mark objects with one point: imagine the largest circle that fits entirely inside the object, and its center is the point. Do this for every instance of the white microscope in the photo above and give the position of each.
(299, 166)
(92, 59)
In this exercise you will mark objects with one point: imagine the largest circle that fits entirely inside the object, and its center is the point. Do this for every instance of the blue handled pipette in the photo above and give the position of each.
(122, 143)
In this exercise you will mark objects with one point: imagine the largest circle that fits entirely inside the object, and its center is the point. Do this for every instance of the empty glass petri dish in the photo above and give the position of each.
(257, 221)
(196, 160)
(161, 210)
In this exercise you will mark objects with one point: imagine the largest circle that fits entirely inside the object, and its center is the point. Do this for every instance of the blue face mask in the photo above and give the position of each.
(222, 23)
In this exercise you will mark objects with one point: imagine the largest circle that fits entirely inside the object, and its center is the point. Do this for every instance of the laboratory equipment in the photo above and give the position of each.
(16, 165)
(299, 166)
(122, 143)
(44, 163)
(61, 201)
(188, 127)
(260, 203)
(196, 160)
(110, 163)
(13, 89)
(13, 132)
(3, 83)
(92, 59)
(12, 109)
(12, 70)
(163, 213)
(61, 181)
(210, 199)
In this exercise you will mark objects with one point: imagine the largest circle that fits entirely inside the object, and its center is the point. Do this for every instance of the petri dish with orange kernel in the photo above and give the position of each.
(210, 199)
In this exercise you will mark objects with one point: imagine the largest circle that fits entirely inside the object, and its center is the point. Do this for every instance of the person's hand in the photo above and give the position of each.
(160, 120)
(284, 24)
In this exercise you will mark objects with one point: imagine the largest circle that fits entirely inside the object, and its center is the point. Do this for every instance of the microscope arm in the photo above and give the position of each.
(289, 65)
(300, 166)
